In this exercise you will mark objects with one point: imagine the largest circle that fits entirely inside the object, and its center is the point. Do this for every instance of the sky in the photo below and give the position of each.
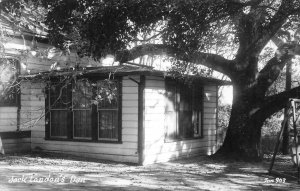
(226, 95)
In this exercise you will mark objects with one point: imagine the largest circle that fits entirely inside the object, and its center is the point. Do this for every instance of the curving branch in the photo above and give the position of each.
(214, 61)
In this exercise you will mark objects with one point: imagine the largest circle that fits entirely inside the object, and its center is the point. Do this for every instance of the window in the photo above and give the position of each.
(60, 109)
(183, 111)
(107, 110)
(84, 110)
(9, 87)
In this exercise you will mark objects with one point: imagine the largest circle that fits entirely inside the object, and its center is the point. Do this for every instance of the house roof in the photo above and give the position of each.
(123, 70)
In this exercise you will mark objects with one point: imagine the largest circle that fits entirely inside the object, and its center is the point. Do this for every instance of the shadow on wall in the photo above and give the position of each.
(161, 151)
(158, 148)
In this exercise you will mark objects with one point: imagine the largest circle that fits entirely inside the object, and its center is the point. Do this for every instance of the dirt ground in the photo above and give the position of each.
(52, 172)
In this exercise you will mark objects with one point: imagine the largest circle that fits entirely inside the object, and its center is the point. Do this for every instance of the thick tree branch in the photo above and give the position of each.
(244, 4)
(159, 33)
(276, 102)
(259, 31)
(276, 22)
(271, 71)
(214, 61)
(277, 41)
(269, 74)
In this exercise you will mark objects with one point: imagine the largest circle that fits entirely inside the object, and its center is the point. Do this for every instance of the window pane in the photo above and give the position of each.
(107, 94)
(197, 104)
(197, 123)
(59, 105)
(185, 124)
(170, 112)
(82, 123)
(59, 123)
(8, 82)
(60, 95)
(108, 124)
(185, 112)
(107, 97)
(171, 126)
(82, 114)
(82, 95)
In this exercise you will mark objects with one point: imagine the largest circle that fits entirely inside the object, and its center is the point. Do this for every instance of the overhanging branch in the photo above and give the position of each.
(276, 102)
(214, 61)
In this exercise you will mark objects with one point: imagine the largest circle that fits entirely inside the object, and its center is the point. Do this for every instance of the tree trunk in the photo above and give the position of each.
(243, 135)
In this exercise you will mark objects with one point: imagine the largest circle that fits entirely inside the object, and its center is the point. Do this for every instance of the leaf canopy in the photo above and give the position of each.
(100, 27)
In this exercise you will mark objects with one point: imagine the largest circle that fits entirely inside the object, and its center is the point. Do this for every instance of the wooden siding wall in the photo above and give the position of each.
(8, 119)
(8, 123)
(44, 58)
(33, 99)
(34, 63)
(156, 149)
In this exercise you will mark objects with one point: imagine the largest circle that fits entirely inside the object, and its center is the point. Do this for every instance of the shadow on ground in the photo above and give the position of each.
(50, 172)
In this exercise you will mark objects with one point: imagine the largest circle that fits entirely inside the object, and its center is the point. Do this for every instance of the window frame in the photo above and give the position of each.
(180, 130)
(94, 118)
(16, 89)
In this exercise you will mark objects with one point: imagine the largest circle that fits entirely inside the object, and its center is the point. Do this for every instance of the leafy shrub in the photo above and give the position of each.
(270, 131)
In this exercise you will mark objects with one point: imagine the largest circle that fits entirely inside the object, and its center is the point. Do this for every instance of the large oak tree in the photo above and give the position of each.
(226, 35)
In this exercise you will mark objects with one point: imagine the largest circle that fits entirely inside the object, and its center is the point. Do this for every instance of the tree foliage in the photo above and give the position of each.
(100, 27)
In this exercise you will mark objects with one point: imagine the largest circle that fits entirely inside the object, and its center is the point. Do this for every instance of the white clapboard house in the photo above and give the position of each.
(150, 116)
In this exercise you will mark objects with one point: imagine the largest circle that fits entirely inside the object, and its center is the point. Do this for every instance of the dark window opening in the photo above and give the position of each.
(183, 112)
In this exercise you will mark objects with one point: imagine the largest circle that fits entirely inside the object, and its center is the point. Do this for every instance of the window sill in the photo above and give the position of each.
(83, 140)
(183, 139)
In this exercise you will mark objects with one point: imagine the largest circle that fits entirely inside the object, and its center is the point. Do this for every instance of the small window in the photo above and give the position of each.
(9, 86)
(84, 110)
(183, 111)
